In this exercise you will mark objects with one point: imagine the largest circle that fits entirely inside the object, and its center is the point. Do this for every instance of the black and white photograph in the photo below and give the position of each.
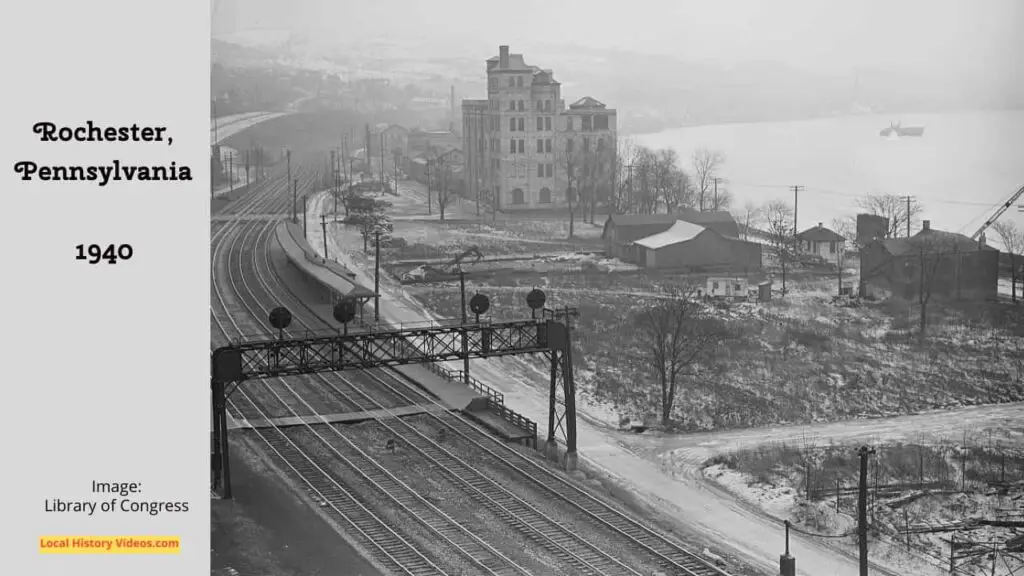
(647, 288)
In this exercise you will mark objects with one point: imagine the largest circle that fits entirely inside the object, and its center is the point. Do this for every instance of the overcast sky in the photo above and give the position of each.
(937, 36)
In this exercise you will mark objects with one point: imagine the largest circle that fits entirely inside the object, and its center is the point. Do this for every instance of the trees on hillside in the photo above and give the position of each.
(681, 338)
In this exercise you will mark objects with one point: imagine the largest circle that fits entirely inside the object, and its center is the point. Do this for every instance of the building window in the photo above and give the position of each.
(545, 196)
(519, 81)
(540, 105)
(547, 123)
(512, 105)
(585, 122)
(736, 288)
(586, 144)
(568, 146)
(522, 146)
(550, 170)
(600, 144)
(601, 122)
(522, 106)
(512, 145)
(547, 105)
(540, 145)
(512, 124)
(511, 82)
(517, 196)
(714, 286)
(547, 145)
(522, 124)
(540, 123)
(568, 122)
(540, 170)
(831, 247)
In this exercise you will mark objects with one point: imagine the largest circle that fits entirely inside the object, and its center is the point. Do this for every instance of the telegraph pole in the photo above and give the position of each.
(862, 508)
(231, 172)
(429, 179)
(716, 179)
(288, 158)
(247, 175)
(465, 336)
(796, 204)
(295, 193)
(323, 225)
(908, 215)
(376, 277)
(382, 161)
(305, 202)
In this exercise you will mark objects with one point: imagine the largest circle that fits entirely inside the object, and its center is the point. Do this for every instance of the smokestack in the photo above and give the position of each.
(926, 225)
(819, 225)
(981, 241)
(503, 56)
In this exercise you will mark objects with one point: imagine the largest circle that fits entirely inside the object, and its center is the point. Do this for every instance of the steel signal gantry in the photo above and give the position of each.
(233, 364)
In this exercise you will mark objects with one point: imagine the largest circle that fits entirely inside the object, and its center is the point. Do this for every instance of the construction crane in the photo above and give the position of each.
(998, 213)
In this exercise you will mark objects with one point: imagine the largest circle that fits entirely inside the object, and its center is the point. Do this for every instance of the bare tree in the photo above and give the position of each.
(1013, 244)
(568, 160)
(895, 209)
(443, 176)
(778, 217)
(931, 251)
(681, 336)
(845, 227)
(706, 165)
(752, 216)
(622, 201)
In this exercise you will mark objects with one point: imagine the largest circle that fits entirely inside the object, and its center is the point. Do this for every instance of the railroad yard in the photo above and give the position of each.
(432, 493)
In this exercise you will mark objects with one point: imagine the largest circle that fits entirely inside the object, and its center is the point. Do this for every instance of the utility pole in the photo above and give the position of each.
(295, 194)
(862, 508)
(382, 161)
(305, 203)
(288, 157)
(716, 179)
(323, 225)
(465, 336)
(796, 204)
(376, 277)
(247, 173)
(231, 172)
(430, 164)
(908, 215)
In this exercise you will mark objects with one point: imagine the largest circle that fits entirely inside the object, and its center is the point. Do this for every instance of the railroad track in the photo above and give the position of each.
(585, 558)
(389, 548)
(667, 555)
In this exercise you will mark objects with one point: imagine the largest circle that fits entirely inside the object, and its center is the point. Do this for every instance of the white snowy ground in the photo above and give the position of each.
(687, 497)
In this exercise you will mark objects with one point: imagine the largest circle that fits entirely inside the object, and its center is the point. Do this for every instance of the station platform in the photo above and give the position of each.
(453, 395)
(498, 425)
(345, 417)
(329, 274)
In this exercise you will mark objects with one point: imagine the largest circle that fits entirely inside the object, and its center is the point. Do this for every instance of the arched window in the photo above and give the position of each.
(517, 196)
(545, 195)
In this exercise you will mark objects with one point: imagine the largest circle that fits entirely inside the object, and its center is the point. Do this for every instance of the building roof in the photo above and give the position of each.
(587, 102)
(679, 232)
(821, 234)
(932, 241)
(692, 216)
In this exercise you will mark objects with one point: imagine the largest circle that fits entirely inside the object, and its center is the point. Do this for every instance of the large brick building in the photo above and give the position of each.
(522, 144)
(947, 266)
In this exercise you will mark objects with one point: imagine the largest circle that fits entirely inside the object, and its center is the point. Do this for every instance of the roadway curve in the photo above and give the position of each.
(245, 289)
(637, 462)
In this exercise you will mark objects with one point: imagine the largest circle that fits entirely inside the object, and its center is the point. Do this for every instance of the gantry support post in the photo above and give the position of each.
(220, 457)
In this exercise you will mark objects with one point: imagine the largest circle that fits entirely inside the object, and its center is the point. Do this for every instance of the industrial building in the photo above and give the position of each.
(693, 247)
(622, 229)
(524, 147)
(945, 265)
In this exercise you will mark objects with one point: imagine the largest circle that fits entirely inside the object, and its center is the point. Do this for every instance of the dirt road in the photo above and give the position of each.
(634, 461)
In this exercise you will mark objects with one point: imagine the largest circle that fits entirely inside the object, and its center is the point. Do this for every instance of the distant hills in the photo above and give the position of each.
(651, 92)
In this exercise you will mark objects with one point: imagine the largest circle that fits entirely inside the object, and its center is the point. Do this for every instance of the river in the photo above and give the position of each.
(960, 170)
